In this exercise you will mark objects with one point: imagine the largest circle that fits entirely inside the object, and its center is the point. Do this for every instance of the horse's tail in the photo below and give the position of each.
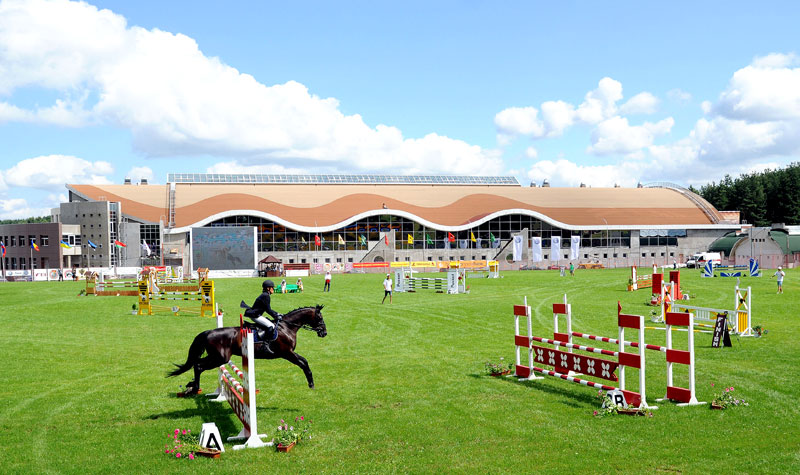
(196, 350)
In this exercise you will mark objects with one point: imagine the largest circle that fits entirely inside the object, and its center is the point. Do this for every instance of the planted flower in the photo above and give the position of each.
(726, 399)
(287, 435)
(493, 368)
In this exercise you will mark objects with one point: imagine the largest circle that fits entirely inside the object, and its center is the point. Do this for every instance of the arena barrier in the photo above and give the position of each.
(639, 282)
(147, 294)
(561, 361)
(241, 395)
(97, 285)
(454, 283)
(732, 271)
(739, 319)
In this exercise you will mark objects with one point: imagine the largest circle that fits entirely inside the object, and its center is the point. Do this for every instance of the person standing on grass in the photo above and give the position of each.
(327, 286)
(387, 288)
(571, 269)
(780, 274)
(60, 275)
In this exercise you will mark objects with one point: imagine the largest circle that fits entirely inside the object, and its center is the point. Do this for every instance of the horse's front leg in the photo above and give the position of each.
(303, 364)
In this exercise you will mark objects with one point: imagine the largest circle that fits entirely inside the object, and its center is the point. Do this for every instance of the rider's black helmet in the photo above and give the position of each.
(267, 284)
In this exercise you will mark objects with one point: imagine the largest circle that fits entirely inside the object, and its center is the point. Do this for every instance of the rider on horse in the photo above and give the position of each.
(260, 306)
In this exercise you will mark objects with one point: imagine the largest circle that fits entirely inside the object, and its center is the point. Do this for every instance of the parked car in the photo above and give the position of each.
(700, 259)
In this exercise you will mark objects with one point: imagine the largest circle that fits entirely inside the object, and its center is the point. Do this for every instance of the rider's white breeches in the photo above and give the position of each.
(266, 322)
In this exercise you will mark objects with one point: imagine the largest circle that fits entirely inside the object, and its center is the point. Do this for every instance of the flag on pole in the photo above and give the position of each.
(575, 245)
(472, 236)
(119, 243)
(34, 246)
(492, 239)
(341, 241)
(517, 250)
(3, 247)
(536, 249)
(428, 240)
(450, 237)
(363, 240)
(91, 244)
(65, 245)
(555, 248)
(386, 239)
(317, 241)
(303, 239)
(146, 248)
(410, 239)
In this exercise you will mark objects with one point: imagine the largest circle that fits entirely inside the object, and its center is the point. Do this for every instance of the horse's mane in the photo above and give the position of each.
(317, 307)
(290, 317)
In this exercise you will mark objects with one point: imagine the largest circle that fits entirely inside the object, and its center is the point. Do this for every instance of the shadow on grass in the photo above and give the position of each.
(220, 413)
(569, 396)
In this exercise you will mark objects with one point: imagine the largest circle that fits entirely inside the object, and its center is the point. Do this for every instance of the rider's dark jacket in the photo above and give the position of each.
(260, 306)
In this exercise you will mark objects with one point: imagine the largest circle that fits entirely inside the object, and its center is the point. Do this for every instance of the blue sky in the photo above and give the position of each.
(572, 92)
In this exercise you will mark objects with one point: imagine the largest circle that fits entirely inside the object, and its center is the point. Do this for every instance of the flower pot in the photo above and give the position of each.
(501, 373)
(716, 406)
(210, 453)
(285, 448)
(629, 412)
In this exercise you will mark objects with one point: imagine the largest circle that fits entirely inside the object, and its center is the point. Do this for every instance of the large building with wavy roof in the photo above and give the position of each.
(368, 218)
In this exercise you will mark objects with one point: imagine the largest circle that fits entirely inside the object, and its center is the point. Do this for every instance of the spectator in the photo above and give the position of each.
(387, 288)
(780, 274)
(327, 286)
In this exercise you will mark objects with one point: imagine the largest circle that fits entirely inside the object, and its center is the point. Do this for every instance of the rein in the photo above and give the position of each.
(304, 326)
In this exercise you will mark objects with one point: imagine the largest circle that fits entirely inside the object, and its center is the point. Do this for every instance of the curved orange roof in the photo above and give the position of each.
(325, 205)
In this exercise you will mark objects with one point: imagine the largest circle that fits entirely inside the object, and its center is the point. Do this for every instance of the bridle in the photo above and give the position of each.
(306, 326)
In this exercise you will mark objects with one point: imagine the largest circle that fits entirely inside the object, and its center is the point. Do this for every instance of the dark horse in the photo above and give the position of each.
(220, 344)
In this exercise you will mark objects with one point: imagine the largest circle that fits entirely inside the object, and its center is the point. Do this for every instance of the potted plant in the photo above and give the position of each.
(726, 399)
(630, 285)
(133, 309)
(185, 445)
(287, 436)
(758, 330)
(497, 368)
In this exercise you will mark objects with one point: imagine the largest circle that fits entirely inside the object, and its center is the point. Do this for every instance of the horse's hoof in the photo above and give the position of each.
(311, 385)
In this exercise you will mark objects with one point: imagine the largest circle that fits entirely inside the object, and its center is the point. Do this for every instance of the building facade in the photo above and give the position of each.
(348, 219)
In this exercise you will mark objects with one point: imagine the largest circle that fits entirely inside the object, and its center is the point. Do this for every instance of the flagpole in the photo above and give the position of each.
(31, 262)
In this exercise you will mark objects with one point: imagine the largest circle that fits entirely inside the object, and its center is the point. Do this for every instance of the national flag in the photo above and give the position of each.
(428, 240)
(146, 248)
(119, 243)
(410, 239)
(317, 241)
(303, 239)
(341, 241)
(492, 238)
(91, 244)
(3, 247)
(472, 236)
(34, 246)
(363, 240)
(65, 245)
(450, 237)
(386, 239)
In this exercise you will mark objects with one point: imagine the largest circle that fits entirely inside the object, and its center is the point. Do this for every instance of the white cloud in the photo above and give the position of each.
(767, 90)
(177, 101)
(567, 173)
(531, 152)
(642, 103)
(557, 116)
(679, 95)
(233, 167)
(48, 171)
(616, 136)
(137, 173)
(16, 208)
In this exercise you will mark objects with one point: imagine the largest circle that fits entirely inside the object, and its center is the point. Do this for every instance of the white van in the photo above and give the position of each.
(700, 259)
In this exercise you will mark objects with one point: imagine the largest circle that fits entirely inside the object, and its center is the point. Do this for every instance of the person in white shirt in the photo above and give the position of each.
(780, 274)
(327, 286)
(387, 288)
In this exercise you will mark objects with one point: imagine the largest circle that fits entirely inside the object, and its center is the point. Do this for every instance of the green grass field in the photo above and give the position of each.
(399, 388)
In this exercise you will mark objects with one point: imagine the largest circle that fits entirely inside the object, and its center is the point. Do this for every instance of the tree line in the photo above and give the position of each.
(32, 219)
(763, 198)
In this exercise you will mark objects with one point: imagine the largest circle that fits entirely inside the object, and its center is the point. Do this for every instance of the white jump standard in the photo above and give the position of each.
(242, 395)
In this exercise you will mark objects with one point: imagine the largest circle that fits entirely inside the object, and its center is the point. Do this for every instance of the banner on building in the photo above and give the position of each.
(555, 248)
(517, 248)
(574, 247)
(536, 249)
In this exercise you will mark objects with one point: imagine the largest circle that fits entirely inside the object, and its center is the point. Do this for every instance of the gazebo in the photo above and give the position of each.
(270, 266)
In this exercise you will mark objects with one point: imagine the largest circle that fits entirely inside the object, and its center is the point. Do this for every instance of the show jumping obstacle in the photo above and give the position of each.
(639, 282)
(147, 293)
(565, 362)
(241, 395)
(732, 271)
(454, 283)
(739, 319)
(97, 285)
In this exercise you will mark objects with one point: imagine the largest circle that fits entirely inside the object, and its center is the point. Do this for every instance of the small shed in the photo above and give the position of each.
(270, 266)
